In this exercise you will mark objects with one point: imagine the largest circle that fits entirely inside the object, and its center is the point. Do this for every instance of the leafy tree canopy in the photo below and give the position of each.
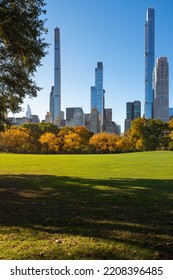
(22, 46)
(149, 134)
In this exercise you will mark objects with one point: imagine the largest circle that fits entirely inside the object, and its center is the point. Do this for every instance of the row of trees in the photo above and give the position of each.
(144, 135)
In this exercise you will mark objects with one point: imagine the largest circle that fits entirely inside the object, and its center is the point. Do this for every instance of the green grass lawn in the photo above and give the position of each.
(86, 206)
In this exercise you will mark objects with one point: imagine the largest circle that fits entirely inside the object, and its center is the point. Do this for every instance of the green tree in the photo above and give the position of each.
(48, 127)
(34, 130)
(149, 134)
(22, 46)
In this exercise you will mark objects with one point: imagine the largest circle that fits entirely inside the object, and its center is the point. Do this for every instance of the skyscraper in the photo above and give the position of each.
(149, 61)
(57, 78)
(137, 109)
(133, 111)
(97, 96)
(161, 101)
(28, 112)
(51, 101)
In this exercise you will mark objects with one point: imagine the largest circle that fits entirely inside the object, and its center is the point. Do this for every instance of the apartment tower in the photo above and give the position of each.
(149, 62)
(161, 101)
(57, 79)
(133, 111)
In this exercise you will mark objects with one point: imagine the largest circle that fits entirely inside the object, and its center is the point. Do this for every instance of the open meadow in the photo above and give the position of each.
(86, 206)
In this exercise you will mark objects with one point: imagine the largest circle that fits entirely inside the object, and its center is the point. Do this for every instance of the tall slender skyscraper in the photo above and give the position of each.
(57, 78)
(97, 96)
(149, 61)
(161, 102)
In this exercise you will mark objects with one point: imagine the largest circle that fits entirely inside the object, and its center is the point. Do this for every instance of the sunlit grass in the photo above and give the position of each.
(86, 206)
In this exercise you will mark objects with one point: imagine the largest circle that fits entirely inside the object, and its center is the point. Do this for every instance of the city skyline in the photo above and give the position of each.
(85, 40)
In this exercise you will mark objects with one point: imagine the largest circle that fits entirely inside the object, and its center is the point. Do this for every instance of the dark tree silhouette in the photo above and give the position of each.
(22, 46)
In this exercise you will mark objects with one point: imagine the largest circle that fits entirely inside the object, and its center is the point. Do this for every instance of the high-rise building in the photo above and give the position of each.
(137, 109)
(94, 121)
(57, 78)
(133, 111)
(149, 61)
(109, 125)
(130, 111)
(87, 120)
(108, 115)
(28, 112)
(75, 117)
(161, 90)
(48, 117)
(69, 113)
(78, 117)
(51, 101)
(97, 98)
(35, 119)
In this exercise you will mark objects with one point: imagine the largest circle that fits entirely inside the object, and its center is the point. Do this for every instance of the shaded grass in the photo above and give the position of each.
(86, 207)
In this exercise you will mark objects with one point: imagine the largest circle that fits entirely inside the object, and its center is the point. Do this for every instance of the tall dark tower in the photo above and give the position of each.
(57, 78)
(149, 62)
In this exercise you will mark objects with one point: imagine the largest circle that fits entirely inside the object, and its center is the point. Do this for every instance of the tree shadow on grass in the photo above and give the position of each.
(137, 213)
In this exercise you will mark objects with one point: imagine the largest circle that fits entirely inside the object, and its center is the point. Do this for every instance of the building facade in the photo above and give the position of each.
(69, 113)
(133, 111)
(161, 90)
(28, 112)
(97, 99)
(48, 117)
(51, 102)
(109, 125)
(149, 62)
(136, 109)
(94, 121)
(57, 79)
(75, 117)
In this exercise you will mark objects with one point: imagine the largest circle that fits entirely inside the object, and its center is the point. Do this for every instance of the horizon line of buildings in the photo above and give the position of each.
(156, 85)
(100, 118)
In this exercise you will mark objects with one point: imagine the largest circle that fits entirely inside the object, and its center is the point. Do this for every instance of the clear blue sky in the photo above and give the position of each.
(111, 31)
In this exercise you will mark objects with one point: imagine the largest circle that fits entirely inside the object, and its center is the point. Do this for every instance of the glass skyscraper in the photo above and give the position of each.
(149, 62)
(133, 111)
(97, 95)
(57, 78)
